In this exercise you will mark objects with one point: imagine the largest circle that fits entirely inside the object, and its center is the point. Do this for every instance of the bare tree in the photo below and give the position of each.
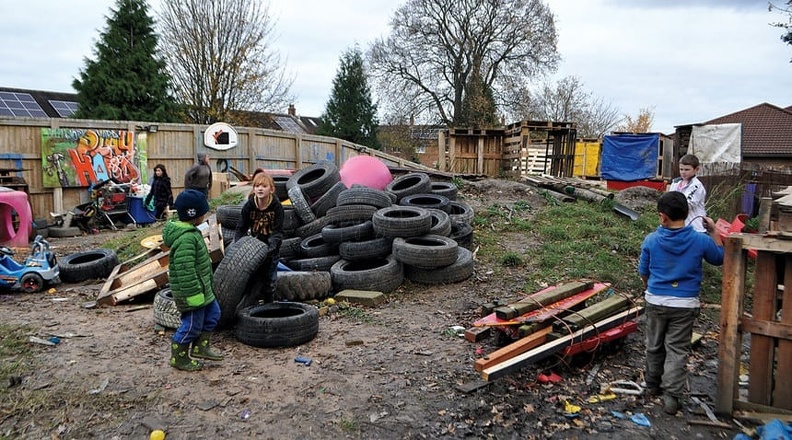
(435, 45)
(568, 101)
(221, 58)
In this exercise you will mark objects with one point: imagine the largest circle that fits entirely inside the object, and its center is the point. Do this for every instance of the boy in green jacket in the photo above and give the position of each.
(191, 282)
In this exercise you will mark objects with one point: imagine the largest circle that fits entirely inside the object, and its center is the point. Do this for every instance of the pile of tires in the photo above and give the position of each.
(338, 238)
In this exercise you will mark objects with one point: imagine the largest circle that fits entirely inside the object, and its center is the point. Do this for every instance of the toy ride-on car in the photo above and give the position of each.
(39, 268)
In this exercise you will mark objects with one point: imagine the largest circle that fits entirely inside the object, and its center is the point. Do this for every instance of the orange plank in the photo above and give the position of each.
(515, 348)
(760, 384)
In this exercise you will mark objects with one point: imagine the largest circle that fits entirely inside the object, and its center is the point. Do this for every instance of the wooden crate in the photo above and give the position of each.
(770, 361)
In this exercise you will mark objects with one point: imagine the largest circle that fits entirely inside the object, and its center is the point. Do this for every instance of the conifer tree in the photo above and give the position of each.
(127, 80)
(350, 114)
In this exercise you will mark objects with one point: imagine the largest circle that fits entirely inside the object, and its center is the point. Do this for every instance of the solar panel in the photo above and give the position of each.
(64, 108)
(288, 124)
(20, 104)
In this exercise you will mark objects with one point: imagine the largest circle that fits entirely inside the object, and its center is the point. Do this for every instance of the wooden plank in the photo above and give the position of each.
(782, 392)
(730, 336)
(743, 405)
(549, 348)
(542, 298)
(772, 242)
(518, 347)
(760, 385)
(546, 312)
(609, 306)
(764, 327)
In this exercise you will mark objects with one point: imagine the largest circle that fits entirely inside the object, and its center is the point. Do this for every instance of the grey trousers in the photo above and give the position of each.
(668, 334)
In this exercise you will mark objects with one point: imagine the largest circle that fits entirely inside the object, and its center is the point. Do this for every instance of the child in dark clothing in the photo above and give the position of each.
(192, 283)
(160, 191)
(670, 266)
(262, 217)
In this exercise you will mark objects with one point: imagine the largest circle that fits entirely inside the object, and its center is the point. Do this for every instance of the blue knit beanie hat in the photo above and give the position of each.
(191, 204)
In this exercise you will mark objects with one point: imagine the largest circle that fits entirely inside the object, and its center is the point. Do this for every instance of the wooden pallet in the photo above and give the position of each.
(129, 280)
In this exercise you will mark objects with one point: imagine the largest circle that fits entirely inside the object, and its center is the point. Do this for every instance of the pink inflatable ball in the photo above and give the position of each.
(367, 171)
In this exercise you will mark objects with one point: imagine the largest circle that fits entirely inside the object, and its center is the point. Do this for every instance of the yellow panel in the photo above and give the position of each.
(587, 155)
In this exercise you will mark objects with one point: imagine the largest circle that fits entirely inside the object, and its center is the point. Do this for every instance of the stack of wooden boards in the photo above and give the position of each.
(554, 320)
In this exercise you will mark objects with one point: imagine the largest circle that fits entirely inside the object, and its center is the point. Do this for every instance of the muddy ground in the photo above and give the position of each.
(392, 372)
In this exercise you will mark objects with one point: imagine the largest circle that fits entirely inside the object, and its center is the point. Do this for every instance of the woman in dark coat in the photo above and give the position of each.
(160, 191)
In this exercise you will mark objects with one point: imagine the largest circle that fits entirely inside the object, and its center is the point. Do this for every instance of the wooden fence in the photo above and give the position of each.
(173, 145)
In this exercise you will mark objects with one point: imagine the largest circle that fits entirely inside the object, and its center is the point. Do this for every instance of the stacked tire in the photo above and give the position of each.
(338, 238)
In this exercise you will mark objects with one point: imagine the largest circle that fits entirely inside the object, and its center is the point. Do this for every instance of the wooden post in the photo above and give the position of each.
(782, 393)
(765, 206)
(730, 335)
(480, 153)
(760, 385)
(441, 150)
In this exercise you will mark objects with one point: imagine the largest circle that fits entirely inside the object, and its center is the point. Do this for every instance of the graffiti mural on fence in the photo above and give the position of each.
(74, 157)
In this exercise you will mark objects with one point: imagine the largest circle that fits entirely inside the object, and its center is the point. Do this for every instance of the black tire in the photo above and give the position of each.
(441, 223)
(301, 206)
(363, 195)
(315, 179)
(355, 232)
(308, 229)
(31, 282)
(242, 259)
(303, 286)
(349, 214)
(290, 248)
(426, 251)
(291, 220)
(461, 212)
(462, 233)
(366, 250)
(166, 313)
(280, 186)
(228, 235)
(460, 270)
(402, 221)
(327, 200)
(313, 264)
(62, 231)
(380, 275)
(228, 215)
(427, 201)
(447, 189)
(93, 264)
(316, 246)
(408, 184)
(280, 324)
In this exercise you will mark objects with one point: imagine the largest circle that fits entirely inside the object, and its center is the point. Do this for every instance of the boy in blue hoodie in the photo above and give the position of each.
(671, 268)
(191, 282)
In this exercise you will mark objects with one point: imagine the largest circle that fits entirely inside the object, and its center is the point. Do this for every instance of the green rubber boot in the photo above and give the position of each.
(202, 350)
(180, 358)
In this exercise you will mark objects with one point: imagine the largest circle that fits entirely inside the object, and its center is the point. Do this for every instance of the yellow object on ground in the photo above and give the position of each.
(157, 434)
(151, 242)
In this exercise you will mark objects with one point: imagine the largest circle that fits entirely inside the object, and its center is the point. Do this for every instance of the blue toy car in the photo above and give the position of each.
(39, 269)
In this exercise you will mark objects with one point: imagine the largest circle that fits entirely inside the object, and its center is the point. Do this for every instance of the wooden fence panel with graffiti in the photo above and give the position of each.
(61, 158)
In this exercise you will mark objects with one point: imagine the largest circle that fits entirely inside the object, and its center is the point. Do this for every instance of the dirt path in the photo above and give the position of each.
(387, 372)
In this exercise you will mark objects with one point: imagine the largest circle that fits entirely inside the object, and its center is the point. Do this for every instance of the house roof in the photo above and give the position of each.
(17, 103)
(766, 129)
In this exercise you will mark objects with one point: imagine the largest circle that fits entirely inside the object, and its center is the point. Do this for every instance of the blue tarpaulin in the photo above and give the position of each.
(629, 157)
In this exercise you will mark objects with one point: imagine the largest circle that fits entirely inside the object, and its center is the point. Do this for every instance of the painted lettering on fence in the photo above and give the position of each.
(80, 157)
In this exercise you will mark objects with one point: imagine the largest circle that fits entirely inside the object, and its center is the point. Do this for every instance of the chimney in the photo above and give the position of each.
(292, 110)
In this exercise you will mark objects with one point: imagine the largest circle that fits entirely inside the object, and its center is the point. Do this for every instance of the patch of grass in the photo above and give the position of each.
(577, 240)
(227, 198)
(511, 259)
(348, 425)
(356, 314)
(15, 355)
(128, 245)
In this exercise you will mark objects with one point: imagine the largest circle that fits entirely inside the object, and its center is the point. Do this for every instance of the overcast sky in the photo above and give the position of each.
(687, 60)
